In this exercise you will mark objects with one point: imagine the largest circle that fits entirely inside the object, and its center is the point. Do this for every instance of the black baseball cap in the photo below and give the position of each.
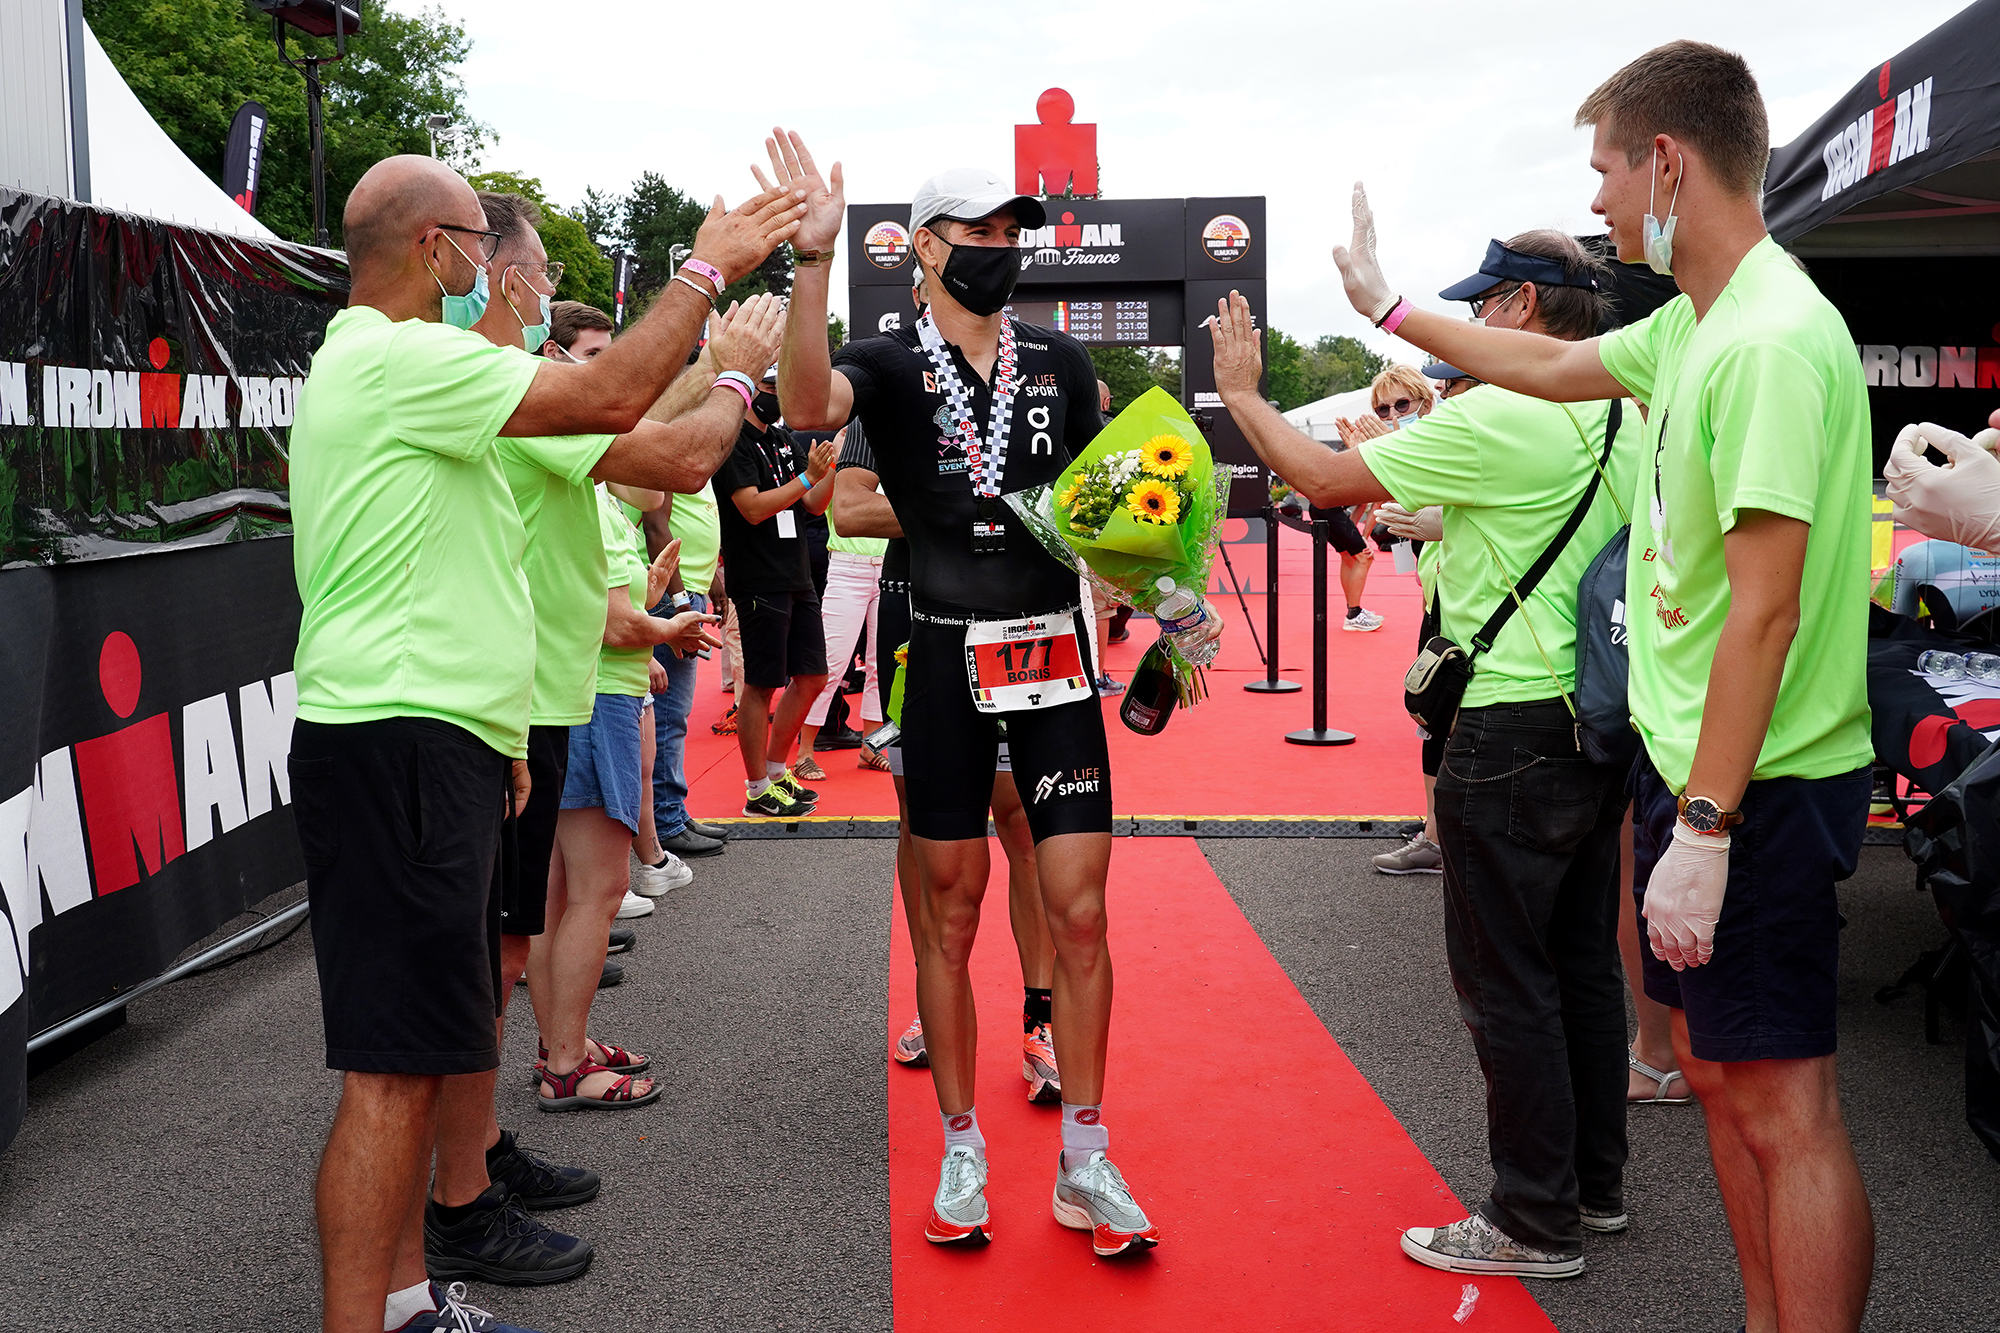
(1504, 265)
(1438, 370)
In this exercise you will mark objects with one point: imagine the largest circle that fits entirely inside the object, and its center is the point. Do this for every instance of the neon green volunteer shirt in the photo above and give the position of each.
(699, 527)
(871, 547)
(1509, 470)
(406, 542)
(621, 670)
(1760, 405)
(565, 564)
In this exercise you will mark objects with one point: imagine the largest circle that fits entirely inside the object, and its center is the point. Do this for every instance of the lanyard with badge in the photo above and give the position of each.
(788, 524)
(1018, 663)
(985, 462)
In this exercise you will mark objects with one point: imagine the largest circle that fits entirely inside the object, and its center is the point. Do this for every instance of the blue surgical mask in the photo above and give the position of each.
(462, 312)
(534, 335)
(1409, 420)
(1659, 237)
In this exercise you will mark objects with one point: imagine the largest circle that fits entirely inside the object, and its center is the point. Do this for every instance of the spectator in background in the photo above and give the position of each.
(1400, 395)
(769, 486)
(1959, 502)
(849, 608)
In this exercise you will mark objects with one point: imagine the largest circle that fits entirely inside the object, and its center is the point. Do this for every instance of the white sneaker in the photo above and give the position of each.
(653, 881)
(633, 906)
(1362, 621)
(958, 1211)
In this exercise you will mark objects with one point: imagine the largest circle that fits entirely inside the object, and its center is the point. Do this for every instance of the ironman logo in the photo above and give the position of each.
(888, 245)
(1226, 238)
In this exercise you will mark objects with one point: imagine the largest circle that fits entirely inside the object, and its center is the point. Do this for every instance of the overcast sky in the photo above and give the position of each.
(1456, 114)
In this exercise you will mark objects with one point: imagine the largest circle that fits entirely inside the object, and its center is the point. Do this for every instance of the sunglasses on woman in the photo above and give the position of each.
(1402, 407)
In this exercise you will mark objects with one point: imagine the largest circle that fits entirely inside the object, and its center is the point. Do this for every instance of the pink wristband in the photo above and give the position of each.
(1396, 316)
(702, 269)
(734, 386)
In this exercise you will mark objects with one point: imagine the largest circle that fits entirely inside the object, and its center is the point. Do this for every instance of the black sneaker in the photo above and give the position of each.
(453, 1315)
(621, 940)
(799, 791)
(847, 738)
(612, 975)
(534, 1183)
(719, 832)
(776, 803)
(499, 1242)
(687, 844)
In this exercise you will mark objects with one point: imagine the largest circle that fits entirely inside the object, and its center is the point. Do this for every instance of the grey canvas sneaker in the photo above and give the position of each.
(1418, 856)
(1094, 1198)
(1475, 1245)
(958, 1211)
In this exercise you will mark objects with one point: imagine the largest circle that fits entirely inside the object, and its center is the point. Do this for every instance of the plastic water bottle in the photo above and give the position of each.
(1983, 667)
(1943, 665)
(1192, 620)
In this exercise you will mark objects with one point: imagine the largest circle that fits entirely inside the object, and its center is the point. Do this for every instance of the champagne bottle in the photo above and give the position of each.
(1152, 695)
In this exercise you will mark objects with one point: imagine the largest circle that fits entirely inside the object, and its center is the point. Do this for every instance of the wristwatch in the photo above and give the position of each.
(810, 258)
(1706, 817)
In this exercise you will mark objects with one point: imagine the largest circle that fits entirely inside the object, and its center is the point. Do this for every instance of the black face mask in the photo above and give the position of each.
(982, 277)
(765, 405)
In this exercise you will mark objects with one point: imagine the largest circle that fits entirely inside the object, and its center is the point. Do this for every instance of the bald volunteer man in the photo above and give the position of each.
(416, 663)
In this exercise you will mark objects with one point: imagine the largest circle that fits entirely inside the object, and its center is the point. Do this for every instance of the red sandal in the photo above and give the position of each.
(616, 1059)
(618, 1097)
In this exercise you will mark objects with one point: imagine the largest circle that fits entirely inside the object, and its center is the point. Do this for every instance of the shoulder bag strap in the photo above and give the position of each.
(1483, 641)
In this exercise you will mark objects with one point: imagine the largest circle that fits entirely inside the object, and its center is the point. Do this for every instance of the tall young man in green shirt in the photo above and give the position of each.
(1748, 584)
(1527, 824)
(412, 730)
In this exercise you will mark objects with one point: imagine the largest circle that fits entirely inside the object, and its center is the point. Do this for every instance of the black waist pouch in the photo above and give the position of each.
(1435, 683)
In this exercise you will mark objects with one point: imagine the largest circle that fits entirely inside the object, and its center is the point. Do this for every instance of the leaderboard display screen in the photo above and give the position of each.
(1117, 317)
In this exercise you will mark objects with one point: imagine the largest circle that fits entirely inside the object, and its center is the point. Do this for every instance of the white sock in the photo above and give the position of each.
(1083, 1133)
(757, 788)
(405, 1305)
(773, 769)
(962, 1131)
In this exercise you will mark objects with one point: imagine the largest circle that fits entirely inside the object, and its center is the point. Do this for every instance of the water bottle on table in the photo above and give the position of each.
(1982, 667)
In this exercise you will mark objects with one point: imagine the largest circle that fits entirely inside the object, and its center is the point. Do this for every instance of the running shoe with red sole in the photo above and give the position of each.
(1038, 1066)
(1094, 1198)
(909, 1048)
(958, 1211)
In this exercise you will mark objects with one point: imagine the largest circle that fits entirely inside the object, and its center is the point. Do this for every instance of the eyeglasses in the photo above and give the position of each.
(553, 271)
(489, 241)
(1402, 407)
(1481, 304)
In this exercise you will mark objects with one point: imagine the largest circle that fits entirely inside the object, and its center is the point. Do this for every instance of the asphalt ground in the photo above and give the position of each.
(162, 1180)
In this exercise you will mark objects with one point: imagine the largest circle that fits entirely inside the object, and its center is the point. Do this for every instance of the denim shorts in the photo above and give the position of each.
(1769, 992)
(604, 761)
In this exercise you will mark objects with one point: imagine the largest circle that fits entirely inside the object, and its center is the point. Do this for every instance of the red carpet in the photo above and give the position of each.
(1226, 757)
(1278, 1179)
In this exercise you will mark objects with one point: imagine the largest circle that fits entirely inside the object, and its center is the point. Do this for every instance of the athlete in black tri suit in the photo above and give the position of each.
(860, 510)
(963, 408)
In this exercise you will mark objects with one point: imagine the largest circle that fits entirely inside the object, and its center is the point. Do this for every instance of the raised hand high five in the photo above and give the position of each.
(826, 200)
(747, 339)
(1360, 271)
(738, 241)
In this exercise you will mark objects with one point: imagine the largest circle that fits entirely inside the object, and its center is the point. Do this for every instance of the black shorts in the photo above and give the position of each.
(892, 631)
(399, 821)
(1769, 991)
(524, 895)
(1061, 763)
(782, 637)
(1342, 535)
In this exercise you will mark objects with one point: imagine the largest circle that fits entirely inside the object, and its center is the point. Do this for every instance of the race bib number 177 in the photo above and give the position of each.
(1020, 665)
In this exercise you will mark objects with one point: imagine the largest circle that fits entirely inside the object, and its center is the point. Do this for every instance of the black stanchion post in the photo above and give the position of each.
(1318, 734)
(1271, 684)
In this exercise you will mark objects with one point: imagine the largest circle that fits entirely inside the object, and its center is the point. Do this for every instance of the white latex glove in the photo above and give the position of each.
(1960, 503)
(1360, 273)
(1684, 898)
(1426, 525)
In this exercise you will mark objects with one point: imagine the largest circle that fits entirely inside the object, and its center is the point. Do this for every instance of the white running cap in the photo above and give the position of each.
(967, 194)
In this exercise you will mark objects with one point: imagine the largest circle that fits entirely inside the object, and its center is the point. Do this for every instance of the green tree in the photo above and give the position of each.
(192, 63)
(1126, 370)
(652, 219)
(1333, 364)
(1285, 374)
(836, 332)
(1165, 368)
(586, 271)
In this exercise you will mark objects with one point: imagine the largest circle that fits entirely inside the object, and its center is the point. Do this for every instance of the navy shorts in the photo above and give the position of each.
(604, 760)
(1769, 992)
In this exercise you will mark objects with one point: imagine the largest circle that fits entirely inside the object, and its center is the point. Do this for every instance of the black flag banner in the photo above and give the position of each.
(147, 377)
(243, 155)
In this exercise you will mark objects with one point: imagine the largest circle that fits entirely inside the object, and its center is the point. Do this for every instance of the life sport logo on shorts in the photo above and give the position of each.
(1226, 238)
(887, 244)
(1078, 782)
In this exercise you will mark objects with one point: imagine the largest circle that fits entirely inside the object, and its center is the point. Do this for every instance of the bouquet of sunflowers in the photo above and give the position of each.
(1142, 501)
